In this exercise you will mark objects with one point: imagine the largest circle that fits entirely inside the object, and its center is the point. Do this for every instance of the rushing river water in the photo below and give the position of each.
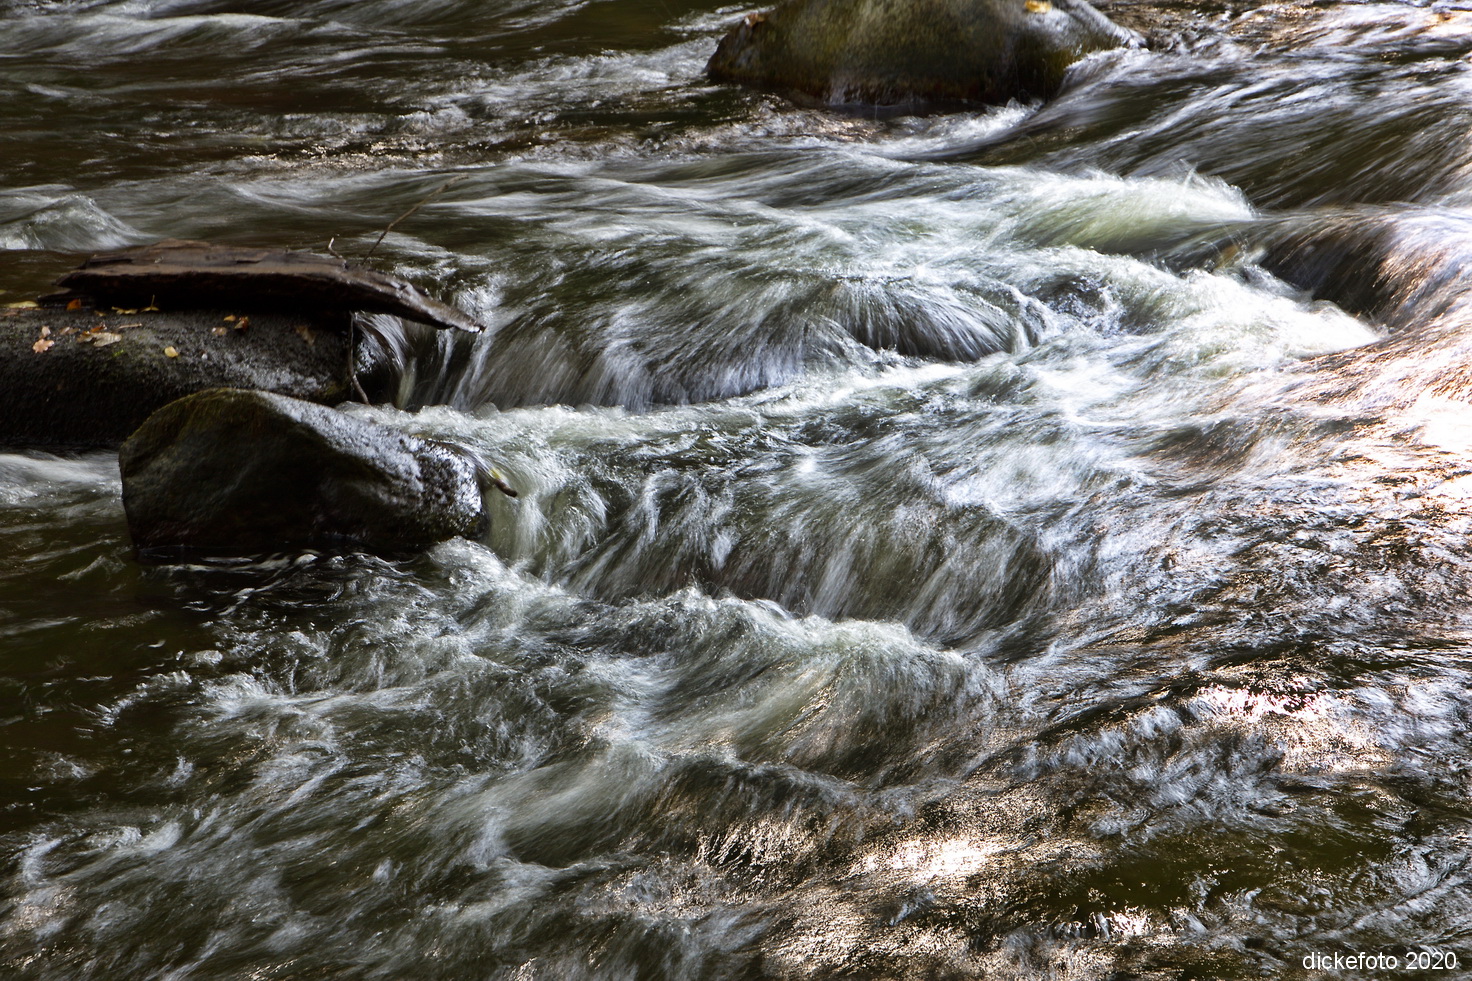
(1022, 543)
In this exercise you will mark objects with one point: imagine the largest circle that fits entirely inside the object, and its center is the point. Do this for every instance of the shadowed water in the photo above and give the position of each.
(1022, 543)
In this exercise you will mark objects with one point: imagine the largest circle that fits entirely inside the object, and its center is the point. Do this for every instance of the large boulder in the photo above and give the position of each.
(914, 54)
(231, 471)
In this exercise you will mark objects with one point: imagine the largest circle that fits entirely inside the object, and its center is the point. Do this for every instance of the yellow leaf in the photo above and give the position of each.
(42, 346)
(171, 352)
(45, 331)
(220, 331)
(229, 318)
(1038, 6)
(105, 338)
(23, 305)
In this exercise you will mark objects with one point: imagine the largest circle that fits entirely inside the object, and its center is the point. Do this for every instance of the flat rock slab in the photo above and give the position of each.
(176, 275)
(239, 472)
(88, 378)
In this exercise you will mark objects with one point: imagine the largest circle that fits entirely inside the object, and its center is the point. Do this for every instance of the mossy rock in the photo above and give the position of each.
(913, 55)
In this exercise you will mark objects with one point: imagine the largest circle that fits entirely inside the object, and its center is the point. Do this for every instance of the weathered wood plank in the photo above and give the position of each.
(176, 275)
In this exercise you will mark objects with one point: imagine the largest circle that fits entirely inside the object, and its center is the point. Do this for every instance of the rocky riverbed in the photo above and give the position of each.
(1023, 542)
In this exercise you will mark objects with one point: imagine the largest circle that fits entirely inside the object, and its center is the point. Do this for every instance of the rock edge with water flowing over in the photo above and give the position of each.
(914, 54)
(235, 471)
(140, 327)
(89, 377)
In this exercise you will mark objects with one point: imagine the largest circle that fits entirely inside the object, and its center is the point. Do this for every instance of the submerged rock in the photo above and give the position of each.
(231, 471)
(914, 54)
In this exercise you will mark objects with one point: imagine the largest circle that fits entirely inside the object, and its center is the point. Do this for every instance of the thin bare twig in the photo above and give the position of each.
(427, 198)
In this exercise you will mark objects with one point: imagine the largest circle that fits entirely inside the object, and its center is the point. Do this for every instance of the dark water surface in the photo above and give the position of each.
(1025, 543)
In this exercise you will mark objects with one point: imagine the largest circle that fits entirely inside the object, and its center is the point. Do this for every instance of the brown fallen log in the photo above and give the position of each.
(176, 274)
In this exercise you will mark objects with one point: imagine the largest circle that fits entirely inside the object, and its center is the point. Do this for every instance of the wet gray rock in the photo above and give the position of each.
(914, 54)
(228, 471)
(87, 378)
